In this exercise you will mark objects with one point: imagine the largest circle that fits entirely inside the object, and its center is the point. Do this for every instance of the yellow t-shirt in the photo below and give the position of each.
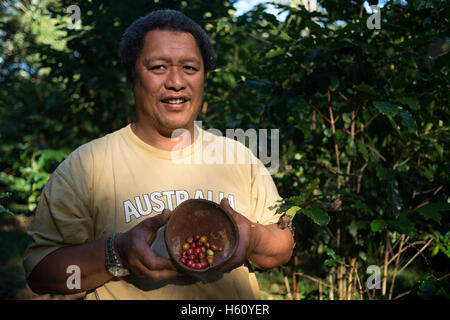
(113, 183)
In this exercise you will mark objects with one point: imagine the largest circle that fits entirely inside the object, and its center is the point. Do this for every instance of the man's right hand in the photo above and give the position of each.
(135, 252)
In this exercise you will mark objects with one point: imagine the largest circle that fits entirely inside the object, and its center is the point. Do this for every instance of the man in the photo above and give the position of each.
(104, 208)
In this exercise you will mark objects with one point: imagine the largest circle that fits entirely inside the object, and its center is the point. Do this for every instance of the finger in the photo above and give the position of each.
(155, 275)
(159, 220)
(154, 262)
(225, 204)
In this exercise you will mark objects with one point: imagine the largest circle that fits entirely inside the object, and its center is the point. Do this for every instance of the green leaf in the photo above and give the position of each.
(363, 150)
(410, 102)
(292, 211)
(403, 224)
(274, 53)
(385, 108)
(407, 119)
(4, 210)
(329, 262)
(377, 225)
(329, 251)
(390, 110)
(318, 215)
(431, 211)
(384, 173)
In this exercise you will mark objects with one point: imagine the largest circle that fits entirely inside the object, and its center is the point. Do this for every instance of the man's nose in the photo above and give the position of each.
(175, 79)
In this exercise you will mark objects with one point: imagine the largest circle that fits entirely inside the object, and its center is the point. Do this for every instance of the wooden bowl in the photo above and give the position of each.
(202, 217)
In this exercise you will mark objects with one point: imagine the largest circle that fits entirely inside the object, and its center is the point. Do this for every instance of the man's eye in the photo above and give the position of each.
(190, 68)
(156, 68)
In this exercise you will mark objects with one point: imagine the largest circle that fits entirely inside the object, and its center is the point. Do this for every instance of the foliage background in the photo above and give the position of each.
(363, 118)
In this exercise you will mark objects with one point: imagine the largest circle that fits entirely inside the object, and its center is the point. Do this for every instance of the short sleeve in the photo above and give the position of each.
(62, 216)
(264, 195)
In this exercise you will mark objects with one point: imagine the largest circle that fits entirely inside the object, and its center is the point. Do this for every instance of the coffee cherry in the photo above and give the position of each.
(204, 264)
(198, 253)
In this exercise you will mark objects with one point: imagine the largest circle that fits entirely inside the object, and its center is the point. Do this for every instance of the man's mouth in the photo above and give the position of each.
(174, 101)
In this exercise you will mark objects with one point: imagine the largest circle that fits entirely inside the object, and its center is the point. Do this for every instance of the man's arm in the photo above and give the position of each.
(133, 247)
(50, 274)
(265, 246)
(274, 246)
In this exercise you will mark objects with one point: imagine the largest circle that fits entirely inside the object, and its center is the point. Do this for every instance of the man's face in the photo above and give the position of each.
(169, 81)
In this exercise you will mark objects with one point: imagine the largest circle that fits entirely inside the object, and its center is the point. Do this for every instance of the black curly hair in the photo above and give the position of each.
(132, 40)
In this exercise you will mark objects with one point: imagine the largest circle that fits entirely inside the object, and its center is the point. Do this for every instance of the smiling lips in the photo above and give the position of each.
(175, 100)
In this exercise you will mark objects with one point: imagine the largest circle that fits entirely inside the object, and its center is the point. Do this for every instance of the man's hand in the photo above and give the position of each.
(134, 249)
(265, 246)
(248, 238)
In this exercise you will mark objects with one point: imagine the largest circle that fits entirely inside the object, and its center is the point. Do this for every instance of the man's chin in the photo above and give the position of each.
(176, 128)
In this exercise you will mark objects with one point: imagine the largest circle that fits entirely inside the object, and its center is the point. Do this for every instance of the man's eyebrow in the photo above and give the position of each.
(194, 60)
(159, 58)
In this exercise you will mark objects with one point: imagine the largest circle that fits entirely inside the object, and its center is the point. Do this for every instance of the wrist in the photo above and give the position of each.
(256, 231)
(118, 247)
(113, 264)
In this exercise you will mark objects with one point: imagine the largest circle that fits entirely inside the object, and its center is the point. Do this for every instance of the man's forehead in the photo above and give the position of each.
(171, 40)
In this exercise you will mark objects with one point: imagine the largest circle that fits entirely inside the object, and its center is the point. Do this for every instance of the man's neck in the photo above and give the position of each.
(163, 140)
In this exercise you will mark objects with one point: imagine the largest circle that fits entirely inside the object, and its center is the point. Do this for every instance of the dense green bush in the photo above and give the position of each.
(362, 113)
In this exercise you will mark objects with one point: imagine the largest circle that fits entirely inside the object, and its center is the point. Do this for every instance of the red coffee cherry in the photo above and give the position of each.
(196, 237)
(183, 260)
